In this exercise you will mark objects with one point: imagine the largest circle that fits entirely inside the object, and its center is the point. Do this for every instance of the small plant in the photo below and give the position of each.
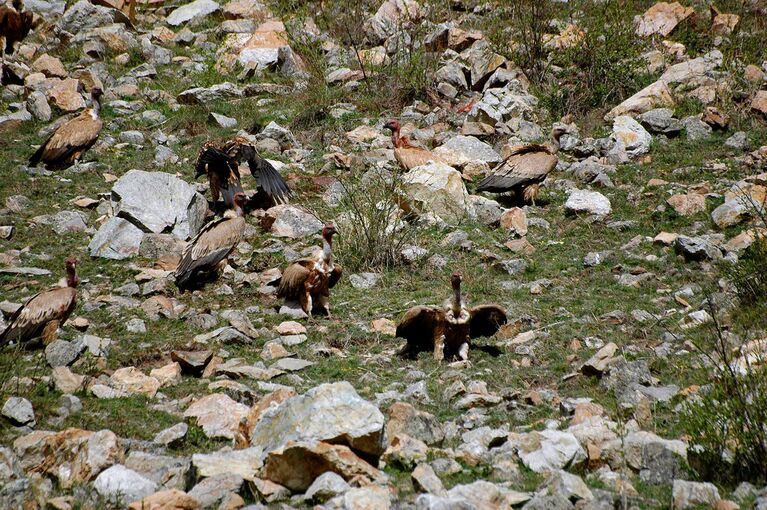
(373, 229)
(727, 422)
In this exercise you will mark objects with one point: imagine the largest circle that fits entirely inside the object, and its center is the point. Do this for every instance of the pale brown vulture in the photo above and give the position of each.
(43, 313)
(310, 279)
(524, 168)
(221, 163)
(408, 155)
(15, 24)
(72, 139)
(205, 253)
(446, 331)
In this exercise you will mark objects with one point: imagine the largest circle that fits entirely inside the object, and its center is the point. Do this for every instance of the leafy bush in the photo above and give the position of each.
(372, 226)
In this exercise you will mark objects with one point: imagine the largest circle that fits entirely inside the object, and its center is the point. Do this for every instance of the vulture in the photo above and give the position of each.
(446, 331)
(524, 169)
(408, 155)
(221, 163)
(205, 253)
(72, 139)
(43, 313)
(15, 24)
(310, 279)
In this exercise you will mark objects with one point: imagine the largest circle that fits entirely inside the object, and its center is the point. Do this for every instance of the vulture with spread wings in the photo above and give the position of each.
(221, 163)
(447, 331)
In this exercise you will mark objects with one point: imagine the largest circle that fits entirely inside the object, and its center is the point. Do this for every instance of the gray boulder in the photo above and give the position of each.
(203, 95)
(327, 412)
(160, 202)
(117, 239)
(120, 484)
(19, 411)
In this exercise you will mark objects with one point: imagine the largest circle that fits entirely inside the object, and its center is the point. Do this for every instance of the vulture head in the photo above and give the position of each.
(71, 268)
(456, 303)
(328, 231)
(96, 94)
(393, 124)
(455, 280)
(239, 200)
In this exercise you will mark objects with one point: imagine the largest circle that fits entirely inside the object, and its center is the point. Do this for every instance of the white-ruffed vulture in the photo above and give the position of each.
(446, 331)
(15, 24)
(524, 168)
(221, 163)
(206, 252)
(408, 155)
(43, 313)
(73, 138)
(310, 279)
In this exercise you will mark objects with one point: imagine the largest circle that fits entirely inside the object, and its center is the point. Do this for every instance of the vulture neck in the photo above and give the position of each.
(395, 138)
(456, 301)
(555, 143)
(327, 249)
(96, 108)
(72, 279)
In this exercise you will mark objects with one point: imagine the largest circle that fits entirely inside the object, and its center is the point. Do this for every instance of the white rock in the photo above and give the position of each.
(197, 9)
(160, 202)
(19, 411)
(119, 483)
(631, 136)
(590, 202)
(116, 239)
(439, 189)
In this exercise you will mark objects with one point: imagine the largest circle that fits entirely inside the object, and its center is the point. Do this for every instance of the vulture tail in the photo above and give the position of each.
(270, 180)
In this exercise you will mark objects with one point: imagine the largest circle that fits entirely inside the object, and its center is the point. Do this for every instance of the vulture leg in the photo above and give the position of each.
(463, 351)
(324, 303)
(49, 332)
(439, 347)
(531, 192)
(305, 299)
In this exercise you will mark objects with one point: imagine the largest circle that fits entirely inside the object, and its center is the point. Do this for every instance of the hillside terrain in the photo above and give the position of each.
(629, 372)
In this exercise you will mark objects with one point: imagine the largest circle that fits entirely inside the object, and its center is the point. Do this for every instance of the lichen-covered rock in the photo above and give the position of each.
(160, 202)
(438, 189)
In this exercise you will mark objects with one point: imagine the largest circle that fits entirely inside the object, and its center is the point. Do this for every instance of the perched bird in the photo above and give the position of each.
(446, 331)
(221, 163)
(408, 155)
(310, 279)
(525, 168)
(72, 139)
(43, 313)
(205, 253)
(15, 24)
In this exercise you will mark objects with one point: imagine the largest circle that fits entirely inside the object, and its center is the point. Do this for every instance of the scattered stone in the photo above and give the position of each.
(19, 411)
(691, 494)
(286, 220)
(689, 204)
(117, 239)
(438, 189)
(217, 414)
(590, 202)
(171, 435)
(196, 10)
(119, 483)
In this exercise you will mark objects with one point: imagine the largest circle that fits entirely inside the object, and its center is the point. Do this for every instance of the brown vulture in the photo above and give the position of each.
(72, 139)
(15, 24)
(408, 155)
(446, 331)
(204, 254)
(43, 313)
(524, 168)
(221, 163)
(310, 279)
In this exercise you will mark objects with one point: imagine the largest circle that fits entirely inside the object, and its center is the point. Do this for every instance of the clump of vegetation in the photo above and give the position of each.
(728, 422)
(372, 226)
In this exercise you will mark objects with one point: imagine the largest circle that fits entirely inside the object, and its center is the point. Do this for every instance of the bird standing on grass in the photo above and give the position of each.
(408, 155)
(309, 280)
(525, 168)
(72, 139)
(15, 24)
(446, 331)
(43, 313)
(207, 251)
(221, 163)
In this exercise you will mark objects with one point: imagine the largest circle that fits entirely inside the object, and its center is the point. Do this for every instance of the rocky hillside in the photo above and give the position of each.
(629, 373)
